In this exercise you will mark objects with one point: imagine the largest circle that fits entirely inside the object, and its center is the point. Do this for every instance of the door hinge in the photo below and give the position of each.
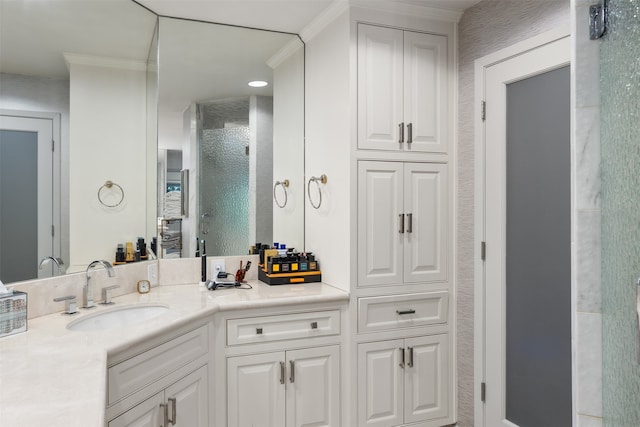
(53, 145)
(483, 251)
(483, 110)
(53, 230)
(483, 392)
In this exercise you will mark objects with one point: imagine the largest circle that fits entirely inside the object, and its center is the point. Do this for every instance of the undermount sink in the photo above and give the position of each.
(117, 317)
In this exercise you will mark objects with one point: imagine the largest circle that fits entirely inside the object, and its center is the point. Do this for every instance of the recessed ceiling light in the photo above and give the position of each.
(258, 83)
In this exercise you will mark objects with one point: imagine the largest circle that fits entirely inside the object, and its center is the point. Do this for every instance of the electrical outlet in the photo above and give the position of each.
(152, 273)
(217, 265)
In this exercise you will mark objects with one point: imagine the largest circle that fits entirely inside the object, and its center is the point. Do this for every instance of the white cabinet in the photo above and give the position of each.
(164, 385)
(293, 388)
(402, 90)
(182, 404)
(402, 223)
(404, 381)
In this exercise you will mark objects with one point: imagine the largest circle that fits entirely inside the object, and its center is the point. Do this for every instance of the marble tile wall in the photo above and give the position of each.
(587, 277)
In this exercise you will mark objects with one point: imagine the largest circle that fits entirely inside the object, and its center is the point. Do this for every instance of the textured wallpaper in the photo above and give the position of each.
(487, 27)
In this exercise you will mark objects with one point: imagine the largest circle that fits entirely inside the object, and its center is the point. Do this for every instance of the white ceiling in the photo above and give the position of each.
(278, 15)
(35, 34)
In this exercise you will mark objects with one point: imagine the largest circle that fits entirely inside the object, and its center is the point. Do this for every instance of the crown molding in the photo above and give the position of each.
(284, 53)
(337, 8)
(401, 8)
(103, 61)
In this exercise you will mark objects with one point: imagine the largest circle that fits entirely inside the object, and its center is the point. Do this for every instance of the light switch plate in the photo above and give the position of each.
(217, 265)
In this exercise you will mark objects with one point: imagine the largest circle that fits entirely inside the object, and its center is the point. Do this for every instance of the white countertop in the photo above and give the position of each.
(55, 377)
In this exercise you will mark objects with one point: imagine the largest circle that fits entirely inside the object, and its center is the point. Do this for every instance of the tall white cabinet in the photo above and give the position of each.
(404, 289)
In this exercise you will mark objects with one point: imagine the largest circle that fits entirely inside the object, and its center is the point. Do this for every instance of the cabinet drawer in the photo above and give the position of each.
(402, 311)
(283, 327)
(141, 370)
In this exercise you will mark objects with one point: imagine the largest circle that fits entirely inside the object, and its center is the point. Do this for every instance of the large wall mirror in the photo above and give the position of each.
(231, 114)
(127, 97)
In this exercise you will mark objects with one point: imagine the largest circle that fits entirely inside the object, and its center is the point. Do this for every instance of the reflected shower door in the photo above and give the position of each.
(620, 136)
(224, 190)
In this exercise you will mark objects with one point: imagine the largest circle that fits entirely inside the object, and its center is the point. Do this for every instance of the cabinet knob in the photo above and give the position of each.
(259, 331)
(314, 325)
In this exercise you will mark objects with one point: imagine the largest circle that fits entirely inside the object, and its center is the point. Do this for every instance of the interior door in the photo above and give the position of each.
(527, 230)
(27, 197)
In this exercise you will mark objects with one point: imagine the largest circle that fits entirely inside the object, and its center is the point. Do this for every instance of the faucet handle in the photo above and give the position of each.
(70, 306)
(106, 294)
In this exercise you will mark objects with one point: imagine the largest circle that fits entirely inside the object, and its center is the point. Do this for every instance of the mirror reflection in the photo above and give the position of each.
(75, 73)
(86, 75)
(233, 138)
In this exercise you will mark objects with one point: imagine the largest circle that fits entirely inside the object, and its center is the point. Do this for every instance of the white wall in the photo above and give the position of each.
(50, 95)
(288, 149)
(489, 26)
(328, 149)
(107, 142)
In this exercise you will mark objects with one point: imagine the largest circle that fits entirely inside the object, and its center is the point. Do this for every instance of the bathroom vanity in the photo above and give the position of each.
(238, 352)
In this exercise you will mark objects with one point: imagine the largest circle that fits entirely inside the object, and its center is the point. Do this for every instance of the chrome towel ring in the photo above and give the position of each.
(321, 179)
(284, 184)
(108, 186)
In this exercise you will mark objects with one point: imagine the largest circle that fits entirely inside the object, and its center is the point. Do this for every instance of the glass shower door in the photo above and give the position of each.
(620, 122)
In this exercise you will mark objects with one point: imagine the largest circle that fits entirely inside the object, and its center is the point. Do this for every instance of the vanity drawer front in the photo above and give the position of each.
(283, 327)
(402, 311)
(141, 370)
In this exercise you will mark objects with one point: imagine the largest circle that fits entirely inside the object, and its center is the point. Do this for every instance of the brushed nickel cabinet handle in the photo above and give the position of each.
(401, 222)
(409, 223)
(282, 369)
(403, 312)
(401, 133)
(410, 364)
(401, 357)
(164, 415)
(409, 133)
(174, 410)
(292, 377)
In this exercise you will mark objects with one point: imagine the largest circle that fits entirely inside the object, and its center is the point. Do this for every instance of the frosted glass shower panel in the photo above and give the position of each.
(224, 189)
(620, 145)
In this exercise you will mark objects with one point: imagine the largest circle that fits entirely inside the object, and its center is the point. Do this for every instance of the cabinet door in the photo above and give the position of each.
(426, 108)
(256, 390)
(313, 392)
(380, 379)
(191, 400)
(146, 414)
(380, 226)
(425, 205)
(379, 87)
(426, 389)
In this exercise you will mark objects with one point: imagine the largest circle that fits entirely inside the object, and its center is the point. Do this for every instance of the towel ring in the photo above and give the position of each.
(321, 179)
(109, 185)
(284, 184)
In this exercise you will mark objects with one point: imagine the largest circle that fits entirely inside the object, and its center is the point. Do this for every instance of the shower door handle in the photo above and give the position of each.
(638, 317)
(204, 218)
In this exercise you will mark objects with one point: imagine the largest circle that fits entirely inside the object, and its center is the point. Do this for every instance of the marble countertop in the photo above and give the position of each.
(56, 377)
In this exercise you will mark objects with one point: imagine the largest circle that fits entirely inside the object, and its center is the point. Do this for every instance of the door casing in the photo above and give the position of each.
(561, 39)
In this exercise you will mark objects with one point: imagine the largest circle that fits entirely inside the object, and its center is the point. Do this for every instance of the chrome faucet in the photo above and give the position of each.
(87, 297)
(55, 260)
